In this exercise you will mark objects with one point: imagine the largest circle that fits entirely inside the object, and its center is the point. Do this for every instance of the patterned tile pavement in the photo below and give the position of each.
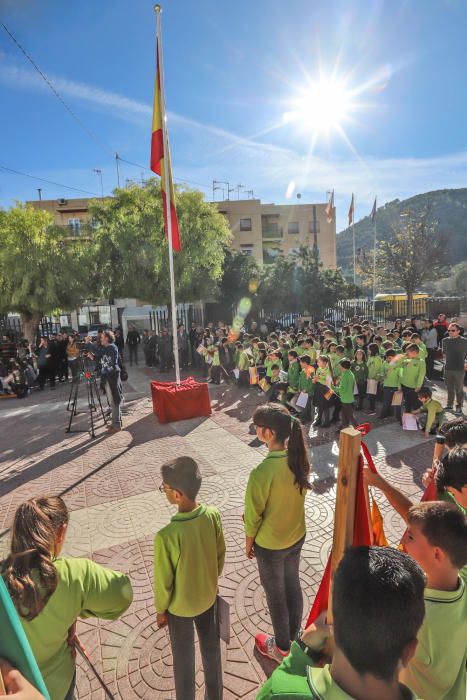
(110, 485)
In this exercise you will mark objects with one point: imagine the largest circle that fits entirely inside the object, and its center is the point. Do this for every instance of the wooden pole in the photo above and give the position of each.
(346, 490)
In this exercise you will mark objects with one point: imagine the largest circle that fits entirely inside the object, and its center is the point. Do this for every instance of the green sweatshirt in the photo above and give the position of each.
(243, 361)
(293, 374)
(345, 387)
(412, 371)
(392, 375)
(434, 410)
(269, 363)
(360, 371)
(422, 351)
(299, 678)
(274, 506)
(189, 556)
(437, 671)
(375, 367)
(323, 374)
(305, 383)
(85, 589)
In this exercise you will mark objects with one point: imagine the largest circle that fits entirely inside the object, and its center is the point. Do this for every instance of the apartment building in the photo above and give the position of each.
(265, 231)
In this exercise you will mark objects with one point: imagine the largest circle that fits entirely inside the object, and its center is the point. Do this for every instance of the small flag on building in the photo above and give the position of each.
(160, 151)
(373, 212)
(351, 210)
(329, 208)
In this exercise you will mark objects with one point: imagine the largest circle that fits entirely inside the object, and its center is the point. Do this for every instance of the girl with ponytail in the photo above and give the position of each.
(275, 523)
(50, 592)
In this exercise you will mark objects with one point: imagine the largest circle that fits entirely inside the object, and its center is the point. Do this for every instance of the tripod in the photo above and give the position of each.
(87, 376)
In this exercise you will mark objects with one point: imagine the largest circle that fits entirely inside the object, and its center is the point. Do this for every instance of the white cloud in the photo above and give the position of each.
(199, 154)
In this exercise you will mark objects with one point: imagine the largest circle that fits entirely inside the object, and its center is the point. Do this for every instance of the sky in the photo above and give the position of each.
(284, 98)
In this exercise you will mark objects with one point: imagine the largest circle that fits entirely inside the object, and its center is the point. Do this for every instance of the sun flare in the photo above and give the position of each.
(322, 107)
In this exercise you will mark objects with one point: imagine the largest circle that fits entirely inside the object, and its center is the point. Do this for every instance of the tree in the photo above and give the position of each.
(319, 289)
(41, 268)
(414, 255)
(130, 247)
(279, 288)
(240, 277)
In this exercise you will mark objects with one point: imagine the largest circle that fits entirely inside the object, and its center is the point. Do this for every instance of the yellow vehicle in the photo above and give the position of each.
(397, 303)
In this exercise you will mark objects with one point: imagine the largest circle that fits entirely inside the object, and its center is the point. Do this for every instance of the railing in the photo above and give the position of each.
(272, 231)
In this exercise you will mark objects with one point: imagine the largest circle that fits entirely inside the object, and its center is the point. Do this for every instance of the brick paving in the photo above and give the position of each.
(111, 484)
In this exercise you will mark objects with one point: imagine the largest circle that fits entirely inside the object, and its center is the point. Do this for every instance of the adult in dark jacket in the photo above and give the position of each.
(44, 364)
(107, 357)
(132, 340)
(454, 351)
(183, 342)
(119, 341)
(165, 350)
(146, 348)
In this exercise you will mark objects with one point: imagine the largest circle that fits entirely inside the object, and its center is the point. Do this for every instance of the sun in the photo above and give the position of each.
(322, 106)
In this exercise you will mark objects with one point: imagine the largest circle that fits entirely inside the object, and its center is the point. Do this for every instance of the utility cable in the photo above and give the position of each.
(49, 182)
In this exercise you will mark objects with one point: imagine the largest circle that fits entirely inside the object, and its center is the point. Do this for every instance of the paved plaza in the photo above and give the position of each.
(110, 485)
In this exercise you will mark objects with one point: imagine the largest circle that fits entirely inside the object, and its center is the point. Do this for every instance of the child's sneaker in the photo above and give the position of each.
(267, 647)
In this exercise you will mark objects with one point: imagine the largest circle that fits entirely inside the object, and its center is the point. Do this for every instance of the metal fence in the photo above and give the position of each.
(162, 318)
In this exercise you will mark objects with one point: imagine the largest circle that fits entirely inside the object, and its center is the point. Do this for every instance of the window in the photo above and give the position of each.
(245, 224)
(74, 226)
(314, 226)
(246, 249)
(292, 227)
(270, 254)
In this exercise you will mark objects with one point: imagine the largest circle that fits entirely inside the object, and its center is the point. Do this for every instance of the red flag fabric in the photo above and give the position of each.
(159, 151)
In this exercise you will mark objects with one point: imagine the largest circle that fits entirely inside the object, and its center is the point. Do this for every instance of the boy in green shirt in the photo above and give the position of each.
(374, 636)
(436, 538)
(305, 384)
(413, 371)
(189, 556)
(391, 383)
(423, 352)
(344, 390)
(431, 413)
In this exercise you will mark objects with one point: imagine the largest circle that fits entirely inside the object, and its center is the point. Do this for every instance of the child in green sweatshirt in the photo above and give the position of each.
(391, 383)
(375, 370)
(344, 390)
(189, 556)
(436, 538)
(413, 370)
(305, 385)
(360, 372)
(431, 413)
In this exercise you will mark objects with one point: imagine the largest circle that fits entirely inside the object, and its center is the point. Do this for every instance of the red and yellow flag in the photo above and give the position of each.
(159, 151)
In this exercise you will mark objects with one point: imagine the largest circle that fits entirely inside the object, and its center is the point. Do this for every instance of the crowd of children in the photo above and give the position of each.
(323, 374)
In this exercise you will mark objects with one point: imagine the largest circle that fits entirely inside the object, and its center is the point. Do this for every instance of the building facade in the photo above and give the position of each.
(263, 231)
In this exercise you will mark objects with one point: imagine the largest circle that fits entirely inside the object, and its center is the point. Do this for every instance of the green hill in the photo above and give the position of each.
(447, 207)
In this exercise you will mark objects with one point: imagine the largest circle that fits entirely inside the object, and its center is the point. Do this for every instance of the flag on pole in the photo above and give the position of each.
(351, 210)
(373, 212)
(329, 208)
(159, 151)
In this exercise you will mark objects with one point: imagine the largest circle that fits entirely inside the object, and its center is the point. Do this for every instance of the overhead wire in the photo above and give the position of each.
(49, 182)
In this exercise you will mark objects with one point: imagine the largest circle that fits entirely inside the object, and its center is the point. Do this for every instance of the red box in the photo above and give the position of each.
(172, 401)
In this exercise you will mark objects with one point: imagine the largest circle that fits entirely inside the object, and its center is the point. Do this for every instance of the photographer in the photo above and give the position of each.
(107, 357)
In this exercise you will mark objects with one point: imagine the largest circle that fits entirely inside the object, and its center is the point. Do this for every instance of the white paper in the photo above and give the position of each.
(223, 612)
(283, 375)
(236, 373)
(409, 422)
(372, 387)
(355, 389)
(302, 400)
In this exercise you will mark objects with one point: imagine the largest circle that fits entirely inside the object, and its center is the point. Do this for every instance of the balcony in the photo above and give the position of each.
(272, 230)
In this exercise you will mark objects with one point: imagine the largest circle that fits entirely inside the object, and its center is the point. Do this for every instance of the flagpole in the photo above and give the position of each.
(374, 266)
(353, 244)
(157, 9)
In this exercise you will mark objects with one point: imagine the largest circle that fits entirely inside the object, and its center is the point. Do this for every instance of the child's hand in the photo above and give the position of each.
(371, 479)
(317, 633)
(162, 620)
(17, 687)
(428, 476)
(250, 547)
(425, 434)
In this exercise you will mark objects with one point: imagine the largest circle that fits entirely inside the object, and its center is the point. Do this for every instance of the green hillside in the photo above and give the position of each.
(447, 207)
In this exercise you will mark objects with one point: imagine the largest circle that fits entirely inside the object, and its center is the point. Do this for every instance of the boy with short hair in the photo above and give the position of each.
(189, 556)
(305, 384)
(344, 390)
(375, 633)
(436, 537)
(413, 370)
(431, 413)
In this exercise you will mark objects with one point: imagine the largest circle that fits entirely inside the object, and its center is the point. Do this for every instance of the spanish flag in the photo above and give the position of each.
(160, 151)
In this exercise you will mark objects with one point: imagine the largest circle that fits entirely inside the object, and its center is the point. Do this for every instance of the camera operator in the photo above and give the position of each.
(107, 358)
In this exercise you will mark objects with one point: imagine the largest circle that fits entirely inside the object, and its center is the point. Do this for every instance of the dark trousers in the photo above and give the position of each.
(411, 401)
(71, 691)
(347, 416)
(62, 369)
(244, 378)
(46, 372)
(322, 404)
(182, 639)
(455, 385)
(133, 354)
(361, 394)
(279, 576)
(430, 360)
(216, 374)
(388, 393)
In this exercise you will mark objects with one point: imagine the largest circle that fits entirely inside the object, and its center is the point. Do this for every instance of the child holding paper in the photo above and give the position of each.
(375, 371)
(344, 390)
(431, 413)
